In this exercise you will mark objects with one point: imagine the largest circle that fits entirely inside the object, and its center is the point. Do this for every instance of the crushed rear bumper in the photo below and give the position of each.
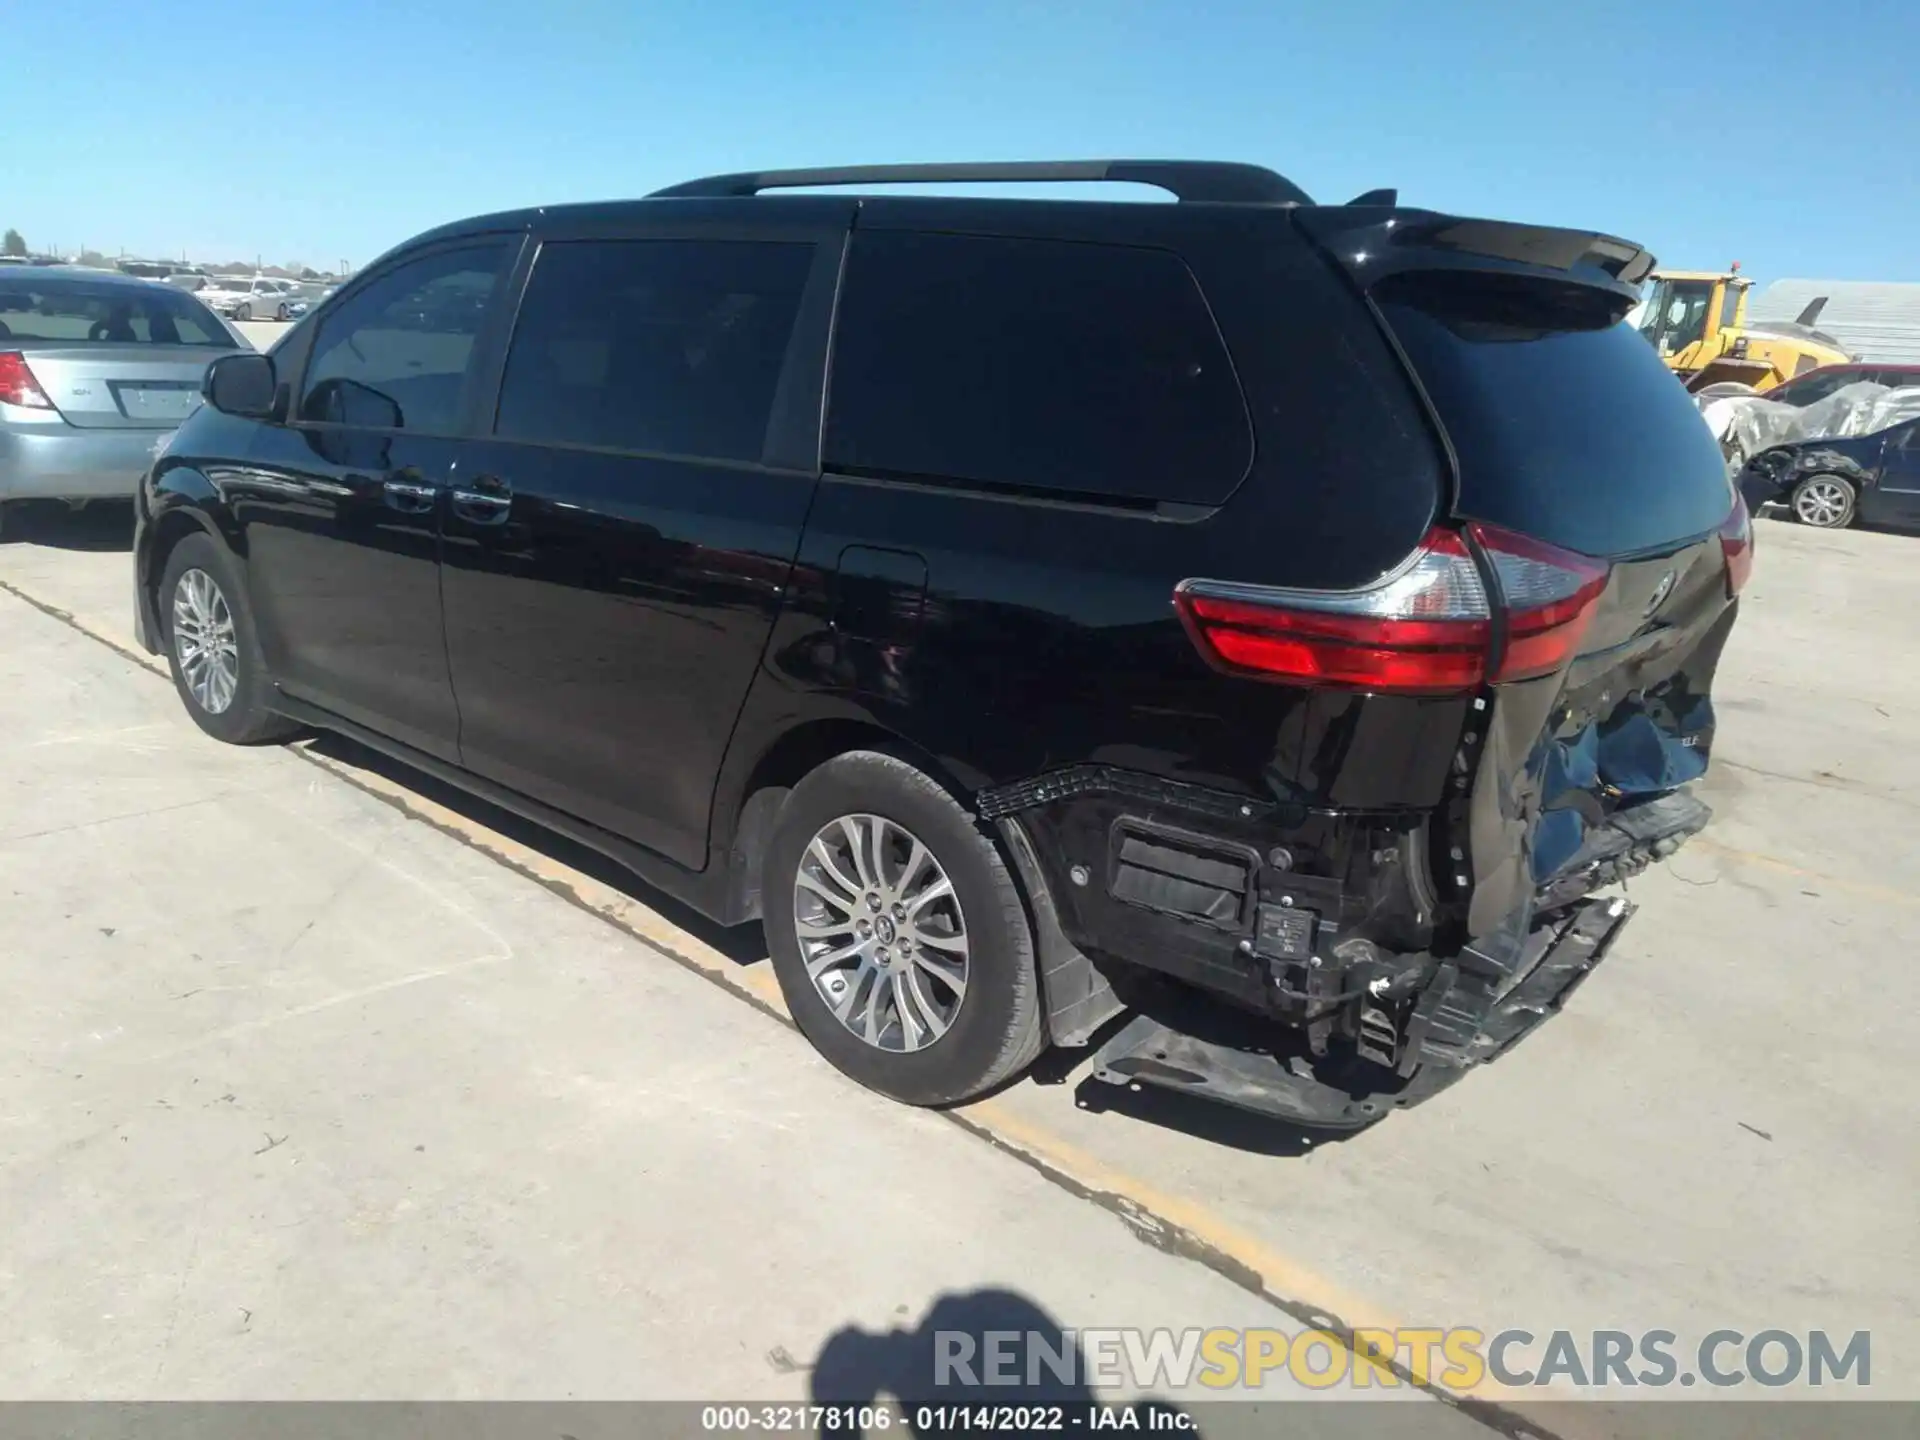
(1466, 1015)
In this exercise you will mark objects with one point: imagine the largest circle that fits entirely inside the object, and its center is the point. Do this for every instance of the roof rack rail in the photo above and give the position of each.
(1204, 180)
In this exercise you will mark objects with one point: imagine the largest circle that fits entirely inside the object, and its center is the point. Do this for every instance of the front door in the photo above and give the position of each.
(1900, 478)
(341, 506)
(616, 552)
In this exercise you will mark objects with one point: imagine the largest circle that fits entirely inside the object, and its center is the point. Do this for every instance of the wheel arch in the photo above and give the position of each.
(744, 823)
(182, 505)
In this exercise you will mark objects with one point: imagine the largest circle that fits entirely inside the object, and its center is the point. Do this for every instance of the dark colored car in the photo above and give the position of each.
(1833, 482)
(1818, 384)
(1274, 619)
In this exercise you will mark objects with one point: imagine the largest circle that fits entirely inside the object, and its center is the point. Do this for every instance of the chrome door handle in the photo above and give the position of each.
(488, 503)
(412, 499)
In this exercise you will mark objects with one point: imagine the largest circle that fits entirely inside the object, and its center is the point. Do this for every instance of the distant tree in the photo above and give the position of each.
(93, 257)
(307, 272)
(14, 244)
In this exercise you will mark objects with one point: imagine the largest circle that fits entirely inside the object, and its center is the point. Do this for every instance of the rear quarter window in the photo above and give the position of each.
(1088, 370)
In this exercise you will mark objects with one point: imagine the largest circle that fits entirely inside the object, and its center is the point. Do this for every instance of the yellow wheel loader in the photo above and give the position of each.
(1697, 322)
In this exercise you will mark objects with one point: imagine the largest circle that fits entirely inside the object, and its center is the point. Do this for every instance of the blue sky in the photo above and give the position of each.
(1776, 134)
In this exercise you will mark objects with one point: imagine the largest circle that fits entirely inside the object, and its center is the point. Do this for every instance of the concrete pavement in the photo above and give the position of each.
(301, 1098)
(1710, 1137)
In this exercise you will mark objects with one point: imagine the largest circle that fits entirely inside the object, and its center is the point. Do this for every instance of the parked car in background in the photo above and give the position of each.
(96, 370)
(1815, 385)
(260, 297)
(1832, 483)
(1079, 648)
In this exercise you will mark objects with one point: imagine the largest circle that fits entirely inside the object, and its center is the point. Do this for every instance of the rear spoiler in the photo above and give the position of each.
(1373, 242)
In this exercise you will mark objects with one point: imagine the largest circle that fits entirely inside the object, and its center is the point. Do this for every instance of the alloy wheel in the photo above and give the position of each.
(881, 932)
(204, 642)
(1822, 503)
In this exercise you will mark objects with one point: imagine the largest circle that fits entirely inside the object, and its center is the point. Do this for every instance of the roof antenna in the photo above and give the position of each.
(1377, 197)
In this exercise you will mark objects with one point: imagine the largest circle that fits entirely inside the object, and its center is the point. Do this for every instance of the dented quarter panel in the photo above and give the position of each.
(1630, 718)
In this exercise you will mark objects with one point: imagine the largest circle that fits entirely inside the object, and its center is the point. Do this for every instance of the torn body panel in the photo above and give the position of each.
(1245, 899)
(1372, 948)
(1630, 720)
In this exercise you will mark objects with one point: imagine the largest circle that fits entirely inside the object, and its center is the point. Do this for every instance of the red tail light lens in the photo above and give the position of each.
(1426, 629)
(17, 384)
(1550, 595)
(1736, 543)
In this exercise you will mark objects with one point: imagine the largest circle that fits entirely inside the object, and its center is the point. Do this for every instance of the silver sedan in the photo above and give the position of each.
(259, 298)
(96, 371)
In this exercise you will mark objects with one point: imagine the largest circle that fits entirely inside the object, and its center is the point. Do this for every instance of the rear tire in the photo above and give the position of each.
(924, 949)
(1826, 502)
(213, 651)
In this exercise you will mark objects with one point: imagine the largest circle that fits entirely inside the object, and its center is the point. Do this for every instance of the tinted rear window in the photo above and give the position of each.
(1567, 428)
(82, 314)
(669, 347)
(1087, 369)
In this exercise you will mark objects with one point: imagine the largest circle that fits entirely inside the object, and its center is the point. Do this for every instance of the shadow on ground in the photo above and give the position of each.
(104, 525)
(742, 944)
(980, 1348)
(745, 945)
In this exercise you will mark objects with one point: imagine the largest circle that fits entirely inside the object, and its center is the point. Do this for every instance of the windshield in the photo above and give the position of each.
(1675, 314)
(83, 314)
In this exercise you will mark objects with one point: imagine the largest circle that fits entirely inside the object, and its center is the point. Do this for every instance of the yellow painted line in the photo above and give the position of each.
(755, 981)
(1883, 893)
(120, 644)
(1168, 1221)
(1145, 1207)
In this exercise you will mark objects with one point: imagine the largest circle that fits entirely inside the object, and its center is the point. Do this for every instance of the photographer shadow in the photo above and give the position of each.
(944, 1364)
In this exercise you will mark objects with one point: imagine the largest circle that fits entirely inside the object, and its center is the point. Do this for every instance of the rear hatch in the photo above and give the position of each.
(135, 386)
(1599, 511)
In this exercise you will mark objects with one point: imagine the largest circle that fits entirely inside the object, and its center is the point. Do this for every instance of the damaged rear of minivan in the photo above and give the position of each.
(1552, 639)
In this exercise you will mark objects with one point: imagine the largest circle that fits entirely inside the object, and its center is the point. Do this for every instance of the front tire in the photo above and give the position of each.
(1825, 502)
(898, 936)
(213, 651)
(281, 313)
(243, 312)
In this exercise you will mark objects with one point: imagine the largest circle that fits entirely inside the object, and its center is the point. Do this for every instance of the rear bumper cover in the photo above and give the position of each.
(64, 462)
(1331, 1027)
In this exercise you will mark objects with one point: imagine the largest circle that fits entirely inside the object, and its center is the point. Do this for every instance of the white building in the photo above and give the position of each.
(1873, 319)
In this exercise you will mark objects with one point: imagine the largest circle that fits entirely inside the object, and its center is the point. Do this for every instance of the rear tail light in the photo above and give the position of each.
(1426, 629)
(18, 385)
(1736, 543)
(1550, 594)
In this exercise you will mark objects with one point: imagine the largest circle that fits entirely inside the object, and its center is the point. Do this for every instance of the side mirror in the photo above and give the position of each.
(240, 385)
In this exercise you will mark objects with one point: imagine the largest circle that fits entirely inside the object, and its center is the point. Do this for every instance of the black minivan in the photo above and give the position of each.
(1267, 621)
